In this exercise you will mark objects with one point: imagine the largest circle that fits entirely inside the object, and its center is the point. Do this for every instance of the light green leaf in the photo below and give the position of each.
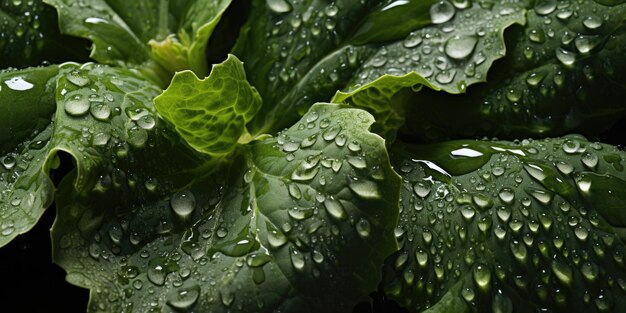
(157, 37)
(211, 114)
(309, 50)
(291, 218)
(557, 69)
(29, 35)
(496, 226)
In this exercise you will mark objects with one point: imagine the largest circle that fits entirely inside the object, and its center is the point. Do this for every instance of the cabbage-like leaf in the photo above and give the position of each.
(26, 109)
(157, 37)
(211, 114)
(493, 226)
(562, 73)
(103, 117)
(290, 219)
(297, 52)
(29, 35)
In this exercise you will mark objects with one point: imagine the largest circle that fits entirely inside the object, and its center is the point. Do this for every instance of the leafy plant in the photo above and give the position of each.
(306, 168)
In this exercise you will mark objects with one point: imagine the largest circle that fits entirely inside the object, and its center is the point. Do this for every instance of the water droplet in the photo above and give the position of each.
(357, 162)
(468, 294)
(519, 250)
(562, 272)
(156, 274)
(365, 189)
(100, 111)
(503, 213)
(421, 189)
(589, 159)
(581, 233)
(536, 35)
(412, 40)
(183, 203)
(482, 276)
(76, 78)
(507, 195)
(294, 191)
(545, 7)
(460, 47)
(184, 298)
(279, 6)
(146, 122)
(300, 213)
(227, 296)
(441, 12)
(566, 57)
(422, 258)
(468, 212)
(445, 77)
(297, 259)
(275, 237)
(335, 208)
(571, 146)
(363, 228)
(592, 22)
(501, 304)
(564, 168)
(77, 104)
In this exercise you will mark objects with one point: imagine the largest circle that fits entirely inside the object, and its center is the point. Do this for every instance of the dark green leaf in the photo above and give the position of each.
(211, 114)
(297, 53)
(29, 35)
(492, 226)
(290, 219)
(26, 109)
(562, 73)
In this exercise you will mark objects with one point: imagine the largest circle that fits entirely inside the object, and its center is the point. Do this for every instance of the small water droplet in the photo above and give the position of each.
(363, 228)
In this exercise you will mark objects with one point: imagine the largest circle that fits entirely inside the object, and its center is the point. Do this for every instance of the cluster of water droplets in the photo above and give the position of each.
(527, 210)
(21, 27)
(569, 32)
(453, 52)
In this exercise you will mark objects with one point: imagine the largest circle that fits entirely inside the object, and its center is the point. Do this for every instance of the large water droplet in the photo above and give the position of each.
(156, 274)
(441, 12)
(184, 298)
(335, 208)
(297, 259)
(279, 6)
(586, 43)
(562, 272)
(76, 78)
(77, 105)
(365, 189)
(566, 57)
(460, 47)
(482, 276)
(183, 203)
(592, 22)
(545, 7)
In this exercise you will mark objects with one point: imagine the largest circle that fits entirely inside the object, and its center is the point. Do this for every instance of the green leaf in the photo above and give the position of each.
(26, 109)
(495, 226)
(557, 68)
(306, 51)
(103, 117)
(211, 114)
(157, 37)
(291, 218)
(30, 35)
